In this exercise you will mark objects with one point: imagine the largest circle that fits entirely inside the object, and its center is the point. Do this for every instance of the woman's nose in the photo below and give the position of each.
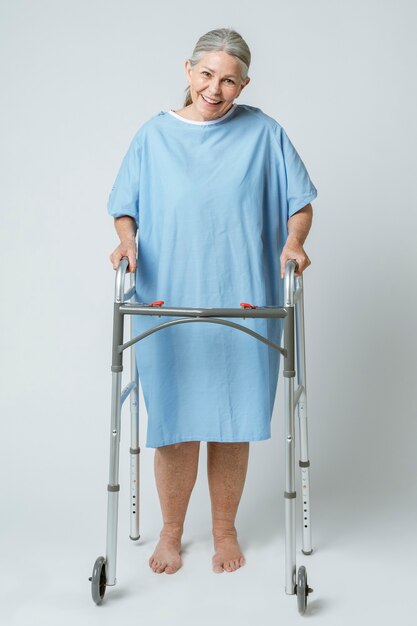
(215, 87)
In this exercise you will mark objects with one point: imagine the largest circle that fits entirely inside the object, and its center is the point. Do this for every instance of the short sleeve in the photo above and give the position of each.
(124, 196)
(300, 189)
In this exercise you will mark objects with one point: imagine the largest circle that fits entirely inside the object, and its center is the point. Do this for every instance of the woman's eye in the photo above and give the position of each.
(229, 80)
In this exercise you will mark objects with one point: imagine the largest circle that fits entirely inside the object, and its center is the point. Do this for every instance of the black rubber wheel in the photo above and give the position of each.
(99, 580)
(302, 590)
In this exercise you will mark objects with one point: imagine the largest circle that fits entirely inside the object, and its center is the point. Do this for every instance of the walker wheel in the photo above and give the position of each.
(302, 590)
(98, 580)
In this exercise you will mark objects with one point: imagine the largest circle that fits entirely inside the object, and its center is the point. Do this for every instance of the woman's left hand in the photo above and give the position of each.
(294, 250)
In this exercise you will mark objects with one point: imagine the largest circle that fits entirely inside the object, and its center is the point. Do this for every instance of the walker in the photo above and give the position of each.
(104, 570)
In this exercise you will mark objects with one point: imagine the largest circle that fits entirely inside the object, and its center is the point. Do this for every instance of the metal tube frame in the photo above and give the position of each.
(293, 350)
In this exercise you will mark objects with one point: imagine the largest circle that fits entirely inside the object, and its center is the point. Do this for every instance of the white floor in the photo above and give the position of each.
(362, 568)
(363, 510)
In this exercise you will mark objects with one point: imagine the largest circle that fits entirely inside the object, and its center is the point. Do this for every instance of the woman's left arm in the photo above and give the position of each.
(299, 226)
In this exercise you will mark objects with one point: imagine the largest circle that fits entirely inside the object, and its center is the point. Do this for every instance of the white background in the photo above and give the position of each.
(77, 81)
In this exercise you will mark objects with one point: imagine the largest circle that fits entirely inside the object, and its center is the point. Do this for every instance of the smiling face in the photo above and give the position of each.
(214, 82)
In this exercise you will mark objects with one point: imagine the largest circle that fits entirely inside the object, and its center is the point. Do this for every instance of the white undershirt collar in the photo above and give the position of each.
(206, 123)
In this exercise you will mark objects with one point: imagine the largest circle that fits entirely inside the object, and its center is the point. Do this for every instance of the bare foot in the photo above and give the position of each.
(166, 557)
(228, 556)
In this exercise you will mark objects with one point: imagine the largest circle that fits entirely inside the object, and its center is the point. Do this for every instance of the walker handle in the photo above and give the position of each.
(289, 282)
(119, 295)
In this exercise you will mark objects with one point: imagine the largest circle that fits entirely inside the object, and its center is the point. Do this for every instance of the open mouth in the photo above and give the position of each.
(212, 103)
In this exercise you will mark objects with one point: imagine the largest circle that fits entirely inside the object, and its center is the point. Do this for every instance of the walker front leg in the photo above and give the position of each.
(113, 487)
(289, 494)
(134, 445)
(299, 587)
(104, 570)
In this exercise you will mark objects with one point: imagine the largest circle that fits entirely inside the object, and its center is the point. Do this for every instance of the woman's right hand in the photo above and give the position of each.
(127, 247)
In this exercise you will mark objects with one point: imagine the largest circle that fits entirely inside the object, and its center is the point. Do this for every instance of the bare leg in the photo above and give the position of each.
(226, 469)
(175, 473)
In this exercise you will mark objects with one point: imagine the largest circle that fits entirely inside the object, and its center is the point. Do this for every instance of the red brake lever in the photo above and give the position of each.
(246, 305)
(157, 303)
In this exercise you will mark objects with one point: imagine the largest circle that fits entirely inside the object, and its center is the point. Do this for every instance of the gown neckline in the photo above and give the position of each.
(205, 123)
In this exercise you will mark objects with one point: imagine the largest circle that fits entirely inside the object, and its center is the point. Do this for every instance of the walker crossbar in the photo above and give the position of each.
(264, 311)
(199, 319)
(104, 571)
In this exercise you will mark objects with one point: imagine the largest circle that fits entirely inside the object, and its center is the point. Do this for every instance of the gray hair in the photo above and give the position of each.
(224, 39)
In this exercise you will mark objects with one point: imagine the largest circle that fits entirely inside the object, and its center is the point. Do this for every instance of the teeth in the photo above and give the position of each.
(211, 101)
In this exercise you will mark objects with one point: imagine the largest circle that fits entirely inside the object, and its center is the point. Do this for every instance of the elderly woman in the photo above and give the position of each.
(221, 200)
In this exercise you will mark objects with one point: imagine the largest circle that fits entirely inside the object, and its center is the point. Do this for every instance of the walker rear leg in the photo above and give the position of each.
(304, 462)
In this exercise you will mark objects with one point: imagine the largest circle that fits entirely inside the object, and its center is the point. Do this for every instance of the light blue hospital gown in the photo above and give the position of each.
(211, 201)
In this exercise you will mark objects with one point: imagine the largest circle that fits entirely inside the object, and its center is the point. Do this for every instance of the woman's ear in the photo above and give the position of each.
(188, 70)
(247, 81)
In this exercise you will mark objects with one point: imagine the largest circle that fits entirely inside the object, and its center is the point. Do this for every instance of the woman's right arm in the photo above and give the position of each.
(126, 229)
